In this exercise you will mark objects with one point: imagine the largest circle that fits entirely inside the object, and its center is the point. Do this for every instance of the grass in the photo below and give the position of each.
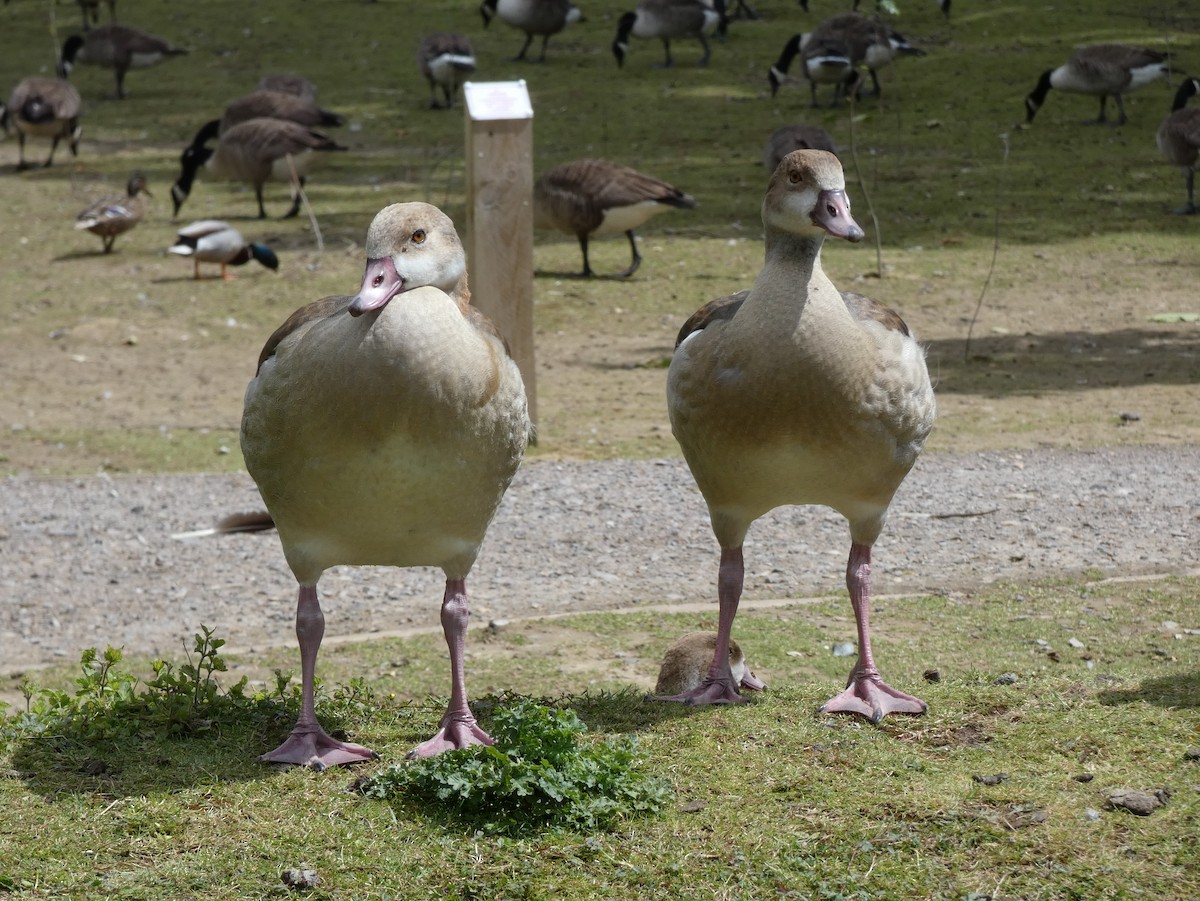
(1088, 252)
(770, 801)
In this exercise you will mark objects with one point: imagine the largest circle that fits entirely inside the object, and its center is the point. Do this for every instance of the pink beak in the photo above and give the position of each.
(380, 284)
(833, 215)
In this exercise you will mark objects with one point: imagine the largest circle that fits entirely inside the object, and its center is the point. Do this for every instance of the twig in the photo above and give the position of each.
(312, 217)
(862, 184)
(967, 515)
(995, 250)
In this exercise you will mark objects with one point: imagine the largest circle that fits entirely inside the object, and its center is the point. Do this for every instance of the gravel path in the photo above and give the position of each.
(86, 562)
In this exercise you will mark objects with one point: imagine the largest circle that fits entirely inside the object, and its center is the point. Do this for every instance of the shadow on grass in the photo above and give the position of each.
(1165, 691)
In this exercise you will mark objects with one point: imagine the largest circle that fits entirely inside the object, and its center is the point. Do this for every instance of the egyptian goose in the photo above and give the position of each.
(665, 20)
(593, 198)
(792, 393)
(795, 137)
(1102, 70)
(266, 104)
(1179, 138)
(115, 215)
(686, 663)
(44, 108)
(832, 51)
(116, 47)
(534, 17)
(254, 151)
(383, 429)
(446, 59)
(213, 241)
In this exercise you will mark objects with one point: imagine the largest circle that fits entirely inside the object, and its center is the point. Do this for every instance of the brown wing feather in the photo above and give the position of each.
(863, 308)
(318, 309)
(718, 310)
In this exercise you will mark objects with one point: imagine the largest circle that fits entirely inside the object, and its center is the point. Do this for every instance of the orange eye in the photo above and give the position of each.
(418, 237)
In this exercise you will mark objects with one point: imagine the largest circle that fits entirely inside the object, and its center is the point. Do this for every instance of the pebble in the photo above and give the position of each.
(1143, 803)
(1129, 514)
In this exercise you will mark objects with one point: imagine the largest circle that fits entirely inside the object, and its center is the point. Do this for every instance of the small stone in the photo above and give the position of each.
(1084, 777)
(1006, 679)
(1076, 643)
(296, 878)
(694, 806)
(496, 626)
(1091, 814)
(1139, 802)
(844, 649)
(932, 675)
(1192, 754)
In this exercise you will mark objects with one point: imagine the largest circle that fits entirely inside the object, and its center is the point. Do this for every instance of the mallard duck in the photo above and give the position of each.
(115, 215)
(592, 198)
(795, 393)
(1102, 70)
(43, 108)
(213, 241)
(116, 47)
(383, 429)
(446, 59)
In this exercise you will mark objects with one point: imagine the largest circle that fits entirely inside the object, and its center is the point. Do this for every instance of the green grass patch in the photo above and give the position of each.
(768, 800)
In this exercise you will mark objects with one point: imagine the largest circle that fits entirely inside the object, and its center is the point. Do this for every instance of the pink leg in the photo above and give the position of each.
(866, 693)
(718, 686)
(458, 726)
(309, 744)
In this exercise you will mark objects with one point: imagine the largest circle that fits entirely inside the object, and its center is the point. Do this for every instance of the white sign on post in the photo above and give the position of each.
(493, 100)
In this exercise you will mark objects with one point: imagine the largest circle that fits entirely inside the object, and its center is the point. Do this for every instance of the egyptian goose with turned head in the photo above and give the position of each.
(383, 429)
(793, 393)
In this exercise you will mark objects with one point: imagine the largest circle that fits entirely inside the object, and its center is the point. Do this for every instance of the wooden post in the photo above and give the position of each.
(499, 226)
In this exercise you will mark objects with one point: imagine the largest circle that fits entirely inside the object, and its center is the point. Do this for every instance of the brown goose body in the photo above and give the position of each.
(686, 662)
(278, 105)
(1102, 70)
(255, 151)
(445, 60)
(537, 18)
(116, 47)
(593, 198)
(792, 393)
(383, 429)
(296, 85)
(1178, 139)
(46, 108)
(795, 137)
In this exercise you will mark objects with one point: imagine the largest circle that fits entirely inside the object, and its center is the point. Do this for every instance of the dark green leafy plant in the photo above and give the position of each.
(540, 774)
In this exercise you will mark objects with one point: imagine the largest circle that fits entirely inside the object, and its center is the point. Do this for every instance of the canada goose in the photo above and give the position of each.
(44, 108)
(849, 36)
(278, 105)
(667, 19)
(116, 47)
(295, 85)
(213, 241)
(794, 137)
(686, 662)
(943, 5)
(115, 215)
(1102, 70)
(534, 17)
(254, 151)
(445, 59)
(90, 10)
(1179, 138)
(591, 197)
(793, 393)
(383, 429)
